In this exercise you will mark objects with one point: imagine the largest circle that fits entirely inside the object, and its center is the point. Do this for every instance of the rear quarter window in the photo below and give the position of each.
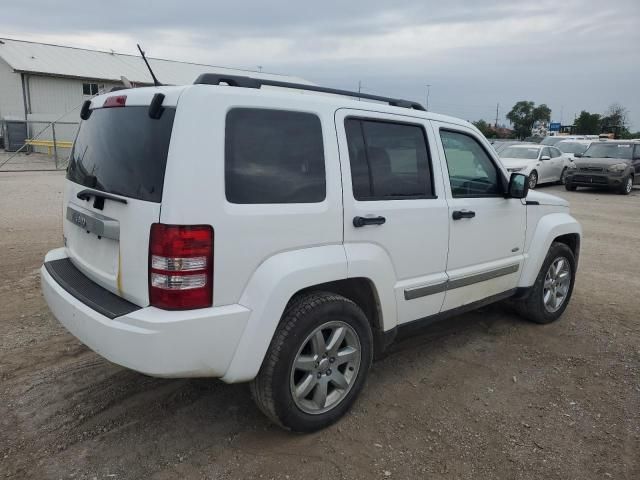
(273, 156)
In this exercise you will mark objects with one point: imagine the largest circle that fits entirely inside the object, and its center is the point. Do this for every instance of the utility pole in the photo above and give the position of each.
(359, 87)
(428, 92)
(497, 109)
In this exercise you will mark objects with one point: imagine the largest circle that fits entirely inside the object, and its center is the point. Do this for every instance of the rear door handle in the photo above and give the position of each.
(362, 221)
(458, 214)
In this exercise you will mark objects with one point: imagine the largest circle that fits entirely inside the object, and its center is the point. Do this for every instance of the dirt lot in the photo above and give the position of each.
(485, 395)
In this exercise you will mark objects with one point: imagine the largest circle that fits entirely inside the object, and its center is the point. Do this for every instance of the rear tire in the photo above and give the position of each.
(533, 180)
(539, 305)
(306, 382)
(563, 177)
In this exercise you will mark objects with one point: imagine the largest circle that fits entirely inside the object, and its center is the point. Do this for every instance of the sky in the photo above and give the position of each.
(572, 55)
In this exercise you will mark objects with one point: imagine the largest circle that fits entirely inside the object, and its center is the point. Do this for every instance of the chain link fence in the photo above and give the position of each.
(35, 145)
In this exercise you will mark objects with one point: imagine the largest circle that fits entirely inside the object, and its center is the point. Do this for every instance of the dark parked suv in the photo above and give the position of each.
(612, 164)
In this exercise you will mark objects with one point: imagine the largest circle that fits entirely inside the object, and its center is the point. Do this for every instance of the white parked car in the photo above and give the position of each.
(541, 163)
(281, 237)
(571, 147)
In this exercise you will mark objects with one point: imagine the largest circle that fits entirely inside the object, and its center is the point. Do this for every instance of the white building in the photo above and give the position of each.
(42, 82)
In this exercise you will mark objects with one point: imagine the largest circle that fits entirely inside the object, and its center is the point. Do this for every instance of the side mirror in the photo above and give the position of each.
(518, 185)
(577, 155)
(545, 157)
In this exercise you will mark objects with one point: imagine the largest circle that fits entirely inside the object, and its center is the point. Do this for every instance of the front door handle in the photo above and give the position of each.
(458, 214)
(362, 221)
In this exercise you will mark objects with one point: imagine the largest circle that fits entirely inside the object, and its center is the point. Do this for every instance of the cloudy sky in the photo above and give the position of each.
(570, 54)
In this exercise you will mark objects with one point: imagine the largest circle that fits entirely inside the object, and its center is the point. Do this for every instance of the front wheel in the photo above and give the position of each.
(316, 364)
(533, 180)
(551, 292)
(570, 187)
(627, 186)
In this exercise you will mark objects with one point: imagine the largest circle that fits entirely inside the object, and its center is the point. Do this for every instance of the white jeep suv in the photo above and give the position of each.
(285, 234)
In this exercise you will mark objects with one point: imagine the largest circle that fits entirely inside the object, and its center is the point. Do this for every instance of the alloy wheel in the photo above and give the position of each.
(533, 180)
(629, 185)
(325, 367)
(557, 282)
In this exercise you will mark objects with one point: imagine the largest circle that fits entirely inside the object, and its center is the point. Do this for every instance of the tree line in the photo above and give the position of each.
(525, 114)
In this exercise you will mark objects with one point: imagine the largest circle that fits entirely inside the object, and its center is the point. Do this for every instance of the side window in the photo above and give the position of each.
(388, 160)
(273, 156)
(546, 151)
(472, 173)
(555, 152)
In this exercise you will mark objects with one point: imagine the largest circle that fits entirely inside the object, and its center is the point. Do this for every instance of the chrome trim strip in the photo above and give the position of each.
(423, 291)
(93, 222)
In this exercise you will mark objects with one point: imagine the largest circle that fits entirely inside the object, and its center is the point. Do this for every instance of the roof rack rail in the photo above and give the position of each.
(250, 82)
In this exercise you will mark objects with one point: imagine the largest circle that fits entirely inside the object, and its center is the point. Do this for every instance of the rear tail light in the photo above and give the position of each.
(181, 266)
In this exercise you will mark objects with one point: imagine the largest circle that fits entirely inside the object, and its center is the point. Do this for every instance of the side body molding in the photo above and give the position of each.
(539, 240)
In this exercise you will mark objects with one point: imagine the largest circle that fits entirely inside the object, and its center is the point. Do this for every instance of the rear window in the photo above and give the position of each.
(122, 151)
(273, 156)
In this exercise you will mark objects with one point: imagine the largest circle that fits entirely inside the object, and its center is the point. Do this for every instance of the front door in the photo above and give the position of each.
(395, 210)
(557, 164)
(487, 230)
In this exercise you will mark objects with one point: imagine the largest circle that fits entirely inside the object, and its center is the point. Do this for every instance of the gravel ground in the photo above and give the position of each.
(484, 395)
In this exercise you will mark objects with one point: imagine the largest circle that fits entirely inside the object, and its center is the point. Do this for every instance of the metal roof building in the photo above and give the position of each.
(45, 83)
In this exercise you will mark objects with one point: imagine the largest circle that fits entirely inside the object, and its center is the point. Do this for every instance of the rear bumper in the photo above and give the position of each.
(190, 343)
(595, 180)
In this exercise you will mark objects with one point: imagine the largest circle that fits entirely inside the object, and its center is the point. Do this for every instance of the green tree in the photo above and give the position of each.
(525, 114)
(485, 127)
(615, 121)
(587, 123)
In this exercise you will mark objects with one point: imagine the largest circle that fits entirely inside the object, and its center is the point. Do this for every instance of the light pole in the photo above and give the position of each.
(428, 92)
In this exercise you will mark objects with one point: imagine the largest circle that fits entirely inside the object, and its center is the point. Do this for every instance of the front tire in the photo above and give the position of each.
(551, 292)
(627, 185)
(317, 362)
(533, 180)
(570, 187)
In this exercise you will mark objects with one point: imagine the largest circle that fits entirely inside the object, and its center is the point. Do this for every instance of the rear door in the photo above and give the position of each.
(394, 206)
(487, 230)
(113, 192)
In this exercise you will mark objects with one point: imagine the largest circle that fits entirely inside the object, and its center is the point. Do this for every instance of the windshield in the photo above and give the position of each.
(572, 147)
(519, 152)
(551, 140)
(609, 150)
(122, 151)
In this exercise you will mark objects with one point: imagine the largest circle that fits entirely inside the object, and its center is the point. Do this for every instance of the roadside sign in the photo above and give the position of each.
(554, 127)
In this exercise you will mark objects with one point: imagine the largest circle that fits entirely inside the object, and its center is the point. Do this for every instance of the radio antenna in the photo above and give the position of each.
(155, 80)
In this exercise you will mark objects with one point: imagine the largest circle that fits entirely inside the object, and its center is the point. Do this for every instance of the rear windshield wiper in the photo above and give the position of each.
(87, 193)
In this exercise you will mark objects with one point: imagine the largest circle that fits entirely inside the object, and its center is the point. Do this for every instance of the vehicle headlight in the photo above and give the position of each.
(618, 167)
(514, 170)
(572, 166)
